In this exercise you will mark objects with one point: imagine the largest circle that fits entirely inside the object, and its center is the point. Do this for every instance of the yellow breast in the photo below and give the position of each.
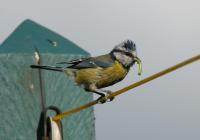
(101, 77)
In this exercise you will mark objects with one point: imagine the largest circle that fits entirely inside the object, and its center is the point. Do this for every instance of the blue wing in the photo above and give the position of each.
(102, 61)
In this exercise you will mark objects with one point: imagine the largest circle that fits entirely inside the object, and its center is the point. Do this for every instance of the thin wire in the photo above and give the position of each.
(42, 90)
(134, 85)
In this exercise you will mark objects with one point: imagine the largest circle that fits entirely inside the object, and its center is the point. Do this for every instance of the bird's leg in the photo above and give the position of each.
(105, 97)
(103, 93)
(102, 98)
(99, 92)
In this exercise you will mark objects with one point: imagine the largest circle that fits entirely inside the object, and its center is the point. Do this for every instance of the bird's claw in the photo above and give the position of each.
(101, 100)
(106, 98)
(108, 94)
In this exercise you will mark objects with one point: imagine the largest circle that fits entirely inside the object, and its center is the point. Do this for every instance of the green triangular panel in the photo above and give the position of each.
(30, 34)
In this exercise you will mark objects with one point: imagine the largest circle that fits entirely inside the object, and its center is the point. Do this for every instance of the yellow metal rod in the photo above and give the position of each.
(134, 85)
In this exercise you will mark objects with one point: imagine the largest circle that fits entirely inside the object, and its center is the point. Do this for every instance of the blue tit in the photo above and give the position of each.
(94, 73)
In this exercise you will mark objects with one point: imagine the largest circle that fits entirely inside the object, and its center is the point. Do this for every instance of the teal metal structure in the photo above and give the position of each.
(20, 97)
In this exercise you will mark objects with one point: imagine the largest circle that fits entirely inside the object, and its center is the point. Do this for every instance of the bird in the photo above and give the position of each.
(95, 73)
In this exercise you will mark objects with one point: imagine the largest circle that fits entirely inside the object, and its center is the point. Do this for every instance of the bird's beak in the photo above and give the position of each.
(139, 62)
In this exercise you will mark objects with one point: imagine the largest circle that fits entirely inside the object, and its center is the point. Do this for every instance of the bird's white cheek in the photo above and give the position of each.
(126, 60)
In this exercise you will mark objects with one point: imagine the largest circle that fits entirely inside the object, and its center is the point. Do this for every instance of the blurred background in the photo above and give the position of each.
(165, 31)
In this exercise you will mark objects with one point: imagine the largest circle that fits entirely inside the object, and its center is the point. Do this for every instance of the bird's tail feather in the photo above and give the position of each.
(53, 68)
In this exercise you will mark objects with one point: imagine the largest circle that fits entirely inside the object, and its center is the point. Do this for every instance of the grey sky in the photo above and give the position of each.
(165, 32)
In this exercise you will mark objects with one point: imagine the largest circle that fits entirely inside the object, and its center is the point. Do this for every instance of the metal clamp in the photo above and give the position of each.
(49, 129)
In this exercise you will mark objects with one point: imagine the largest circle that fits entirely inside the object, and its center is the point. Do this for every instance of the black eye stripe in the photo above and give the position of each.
(128, 54)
